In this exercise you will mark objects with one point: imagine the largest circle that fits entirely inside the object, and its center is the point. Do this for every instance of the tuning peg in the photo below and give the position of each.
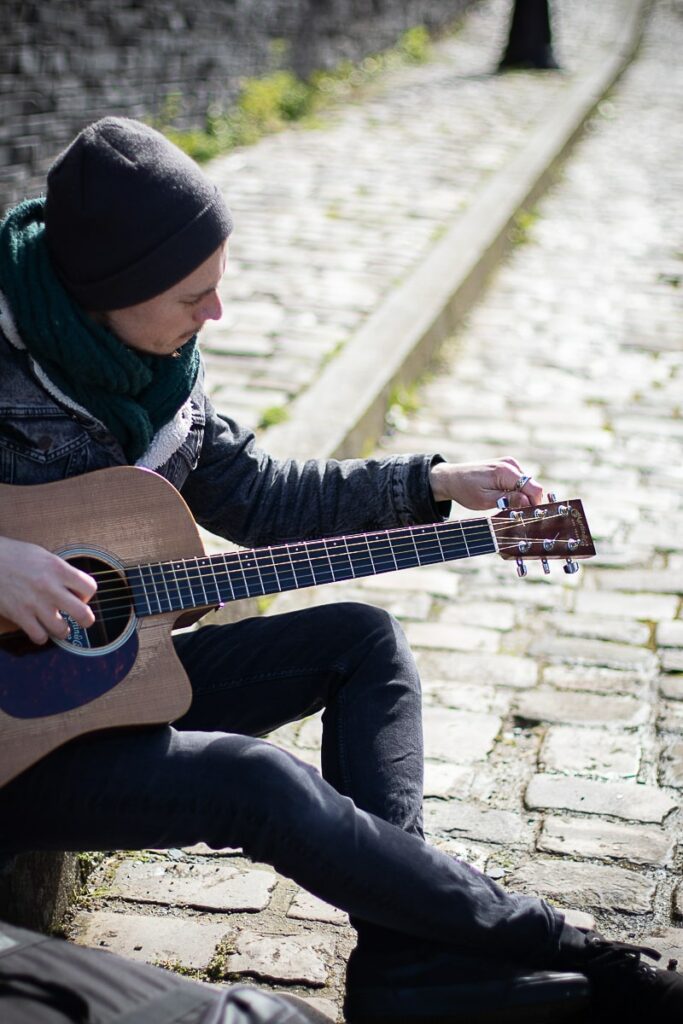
(571, 567)
(521, 568)
(552, 496)
(503, 502)
(545, 565)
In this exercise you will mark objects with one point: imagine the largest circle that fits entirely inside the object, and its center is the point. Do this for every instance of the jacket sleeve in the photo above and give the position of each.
(241, 493)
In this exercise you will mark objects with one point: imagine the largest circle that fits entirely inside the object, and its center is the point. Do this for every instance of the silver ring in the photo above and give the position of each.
(521, 482)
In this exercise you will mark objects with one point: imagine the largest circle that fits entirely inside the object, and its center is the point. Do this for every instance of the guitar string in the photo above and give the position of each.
(263, 558)
(239, 570)
(419, 532)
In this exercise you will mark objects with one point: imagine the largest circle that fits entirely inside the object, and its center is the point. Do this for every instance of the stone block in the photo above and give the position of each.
(672, 660)
(289, 958)
(487, 669)
(437, 582)
(443, 780)
(607, 627)
(585, 885)
(36, 888)
(669, 634)
(218, 886)
(306, 907)
(466, 696)
(597, 752)
(593, 678)
(458, 737)
(678, 901)
(656, 581)
(605, 840)
(671, 687)
(585, 709)
(175, 940)
(487, 614)
(628, 801)
(600, 653)
(652, 607)
(451, 637)
(669, 942)
(670, 717)
(671, 764)
(468, 822)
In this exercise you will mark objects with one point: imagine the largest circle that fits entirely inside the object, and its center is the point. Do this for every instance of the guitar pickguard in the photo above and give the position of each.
(38, 681)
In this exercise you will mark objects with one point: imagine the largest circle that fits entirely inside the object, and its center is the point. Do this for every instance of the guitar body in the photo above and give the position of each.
(130, 675)
(131, 530)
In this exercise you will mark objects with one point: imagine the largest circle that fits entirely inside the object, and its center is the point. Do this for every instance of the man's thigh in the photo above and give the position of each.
(253, 676)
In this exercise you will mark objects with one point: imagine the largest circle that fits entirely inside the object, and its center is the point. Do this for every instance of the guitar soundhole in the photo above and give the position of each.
(112, 607)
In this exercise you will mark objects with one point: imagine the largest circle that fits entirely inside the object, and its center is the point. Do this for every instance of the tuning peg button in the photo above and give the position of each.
(571, 567)
(503, 502)
(545, 565)
(552, 496)
(521, 568)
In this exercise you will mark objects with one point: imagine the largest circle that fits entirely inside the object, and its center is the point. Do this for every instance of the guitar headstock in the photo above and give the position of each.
(557, 529)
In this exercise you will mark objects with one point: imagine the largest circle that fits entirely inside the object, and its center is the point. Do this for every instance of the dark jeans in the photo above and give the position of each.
(353, 837)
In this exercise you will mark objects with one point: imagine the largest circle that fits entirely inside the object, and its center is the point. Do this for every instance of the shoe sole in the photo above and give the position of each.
(545, 998)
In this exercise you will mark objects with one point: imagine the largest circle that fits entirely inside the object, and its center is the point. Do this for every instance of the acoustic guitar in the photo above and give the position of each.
(132, 531)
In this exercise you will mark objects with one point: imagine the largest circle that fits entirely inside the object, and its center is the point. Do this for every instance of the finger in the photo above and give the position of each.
(512, 462)
(79, 582)
(57, 626)
(34, 631)
(77, 609)
(530, 493)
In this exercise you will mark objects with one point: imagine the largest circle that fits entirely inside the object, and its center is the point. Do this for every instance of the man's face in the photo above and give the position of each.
(163, 324)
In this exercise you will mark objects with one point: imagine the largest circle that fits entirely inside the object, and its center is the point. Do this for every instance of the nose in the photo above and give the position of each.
(210, 308)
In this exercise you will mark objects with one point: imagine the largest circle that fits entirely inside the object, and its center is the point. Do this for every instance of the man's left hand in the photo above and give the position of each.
(479, 485)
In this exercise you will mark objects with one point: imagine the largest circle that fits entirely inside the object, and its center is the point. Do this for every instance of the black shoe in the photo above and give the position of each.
(447, 988)
(625, 990)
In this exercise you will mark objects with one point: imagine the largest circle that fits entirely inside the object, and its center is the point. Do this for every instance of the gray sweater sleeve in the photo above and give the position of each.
(241, 493)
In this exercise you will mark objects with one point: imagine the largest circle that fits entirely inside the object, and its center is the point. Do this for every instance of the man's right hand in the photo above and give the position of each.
(35, 586)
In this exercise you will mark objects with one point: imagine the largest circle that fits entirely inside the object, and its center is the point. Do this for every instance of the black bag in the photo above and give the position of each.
(46, 980)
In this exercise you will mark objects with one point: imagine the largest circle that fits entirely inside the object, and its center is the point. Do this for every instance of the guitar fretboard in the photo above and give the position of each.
(216, 579)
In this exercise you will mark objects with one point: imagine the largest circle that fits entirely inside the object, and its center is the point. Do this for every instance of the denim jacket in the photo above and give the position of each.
(232, 487)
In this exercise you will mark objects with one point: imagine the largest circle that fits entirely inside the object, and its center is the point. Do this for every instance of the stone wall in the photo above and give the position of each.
(64, 63)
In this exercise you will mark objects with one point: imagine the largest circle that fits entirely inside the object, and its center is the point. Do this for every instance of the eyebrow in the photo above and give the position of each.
(199, 295)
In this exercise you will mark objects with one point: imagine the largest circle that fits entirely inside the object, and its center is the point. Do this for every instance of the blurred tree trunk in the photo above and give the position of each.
(529, 41)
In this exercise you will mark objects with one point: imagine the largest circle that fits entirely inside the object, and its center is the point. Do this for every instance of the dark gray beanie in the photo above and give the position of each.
(128, 215)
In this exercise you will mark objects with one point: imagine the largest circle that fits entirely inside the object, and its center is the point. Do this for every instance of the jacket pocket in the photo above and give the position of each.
(39, 445)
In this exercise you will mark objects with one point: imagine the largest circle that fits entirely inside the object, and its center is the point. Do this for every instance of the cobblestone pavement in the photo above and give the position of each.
(328, 220)
(553, 705)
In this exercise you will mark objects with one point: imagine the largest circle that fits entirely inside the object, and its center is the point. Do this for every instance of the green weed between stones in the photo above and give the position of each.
(273, 415)
(274, 101)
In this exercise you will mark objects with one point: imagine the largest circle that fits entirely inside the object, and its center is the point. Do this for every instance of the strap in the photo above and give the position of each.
(13, 939)
(169, 1007)
(50, 993)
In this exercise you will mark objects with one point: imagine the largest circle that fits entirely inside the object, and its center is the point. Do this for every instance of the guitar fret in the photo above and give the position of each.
(307, 549)
(348, 555)
(260, 577)
(162, 576)
(182, 585)
(372, 560)
(149, 585)
(291, 562)
(467, 548)
(209, 584)
(417, 553)
(240, 566)
(211, 580)
(226, 576)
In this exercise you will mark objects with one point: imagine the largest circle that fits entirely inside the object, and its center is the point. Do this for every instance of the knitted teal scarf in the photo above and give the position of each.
(132, 393)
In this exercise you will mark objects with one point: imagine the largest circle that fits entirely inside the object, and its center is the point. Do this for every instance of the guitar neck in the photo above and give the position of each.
(216, 579)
